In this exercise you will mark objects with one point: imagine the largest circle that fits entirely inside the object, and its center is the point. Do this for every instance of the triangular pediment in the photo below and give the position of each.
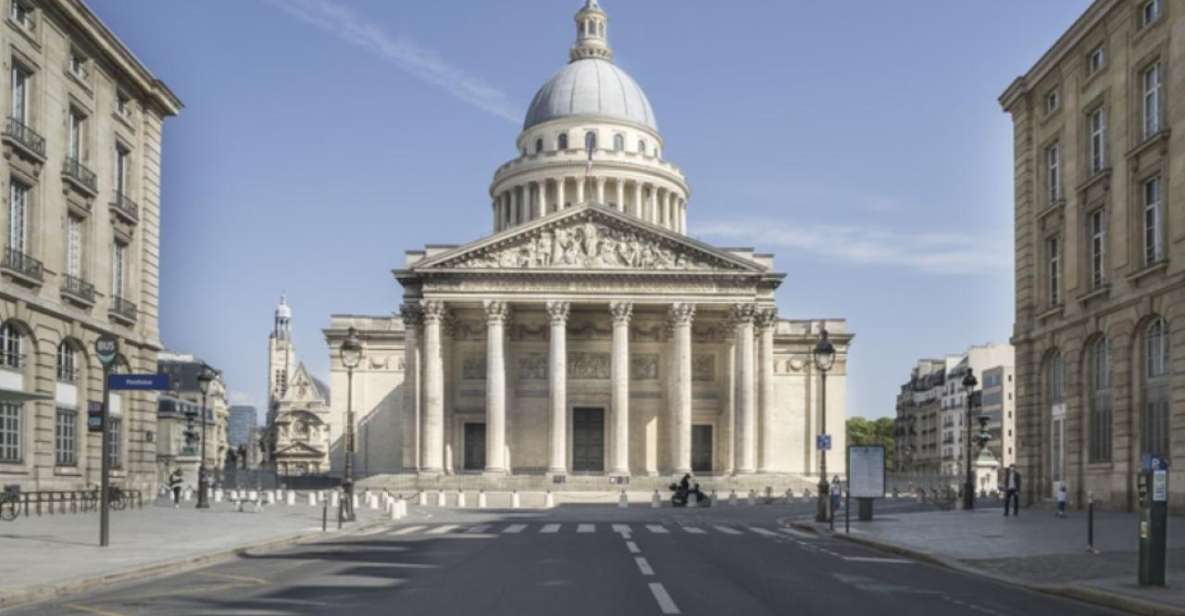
(303, 387)
(589, 237)
(299, 449)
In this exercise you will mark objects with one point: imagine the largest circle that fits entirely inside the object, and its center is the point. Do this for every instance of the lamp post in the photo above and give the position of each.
(351, 356)
(205, 377)
(824, 357)
(969, 383)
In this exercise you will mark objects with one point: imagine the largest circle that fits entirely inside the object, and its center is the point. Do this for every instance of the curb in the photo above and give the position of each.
(1087, 595)
(45, 592)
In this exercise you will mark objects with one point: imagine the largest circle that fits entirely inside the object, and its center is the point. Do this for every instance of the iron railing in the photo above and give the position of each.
(123, 307)
(23, 264)
(75, 170)
(126, 206)
(78, 287)
(21, 133)
(48, 502)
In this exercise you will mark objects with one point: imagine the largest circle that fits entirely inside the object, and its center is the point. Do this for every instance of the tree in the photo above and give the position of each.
(862, 431)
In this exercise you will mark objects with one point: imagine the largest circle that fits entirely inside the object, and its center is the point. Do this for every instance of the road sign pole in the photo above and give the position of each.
(105, 464)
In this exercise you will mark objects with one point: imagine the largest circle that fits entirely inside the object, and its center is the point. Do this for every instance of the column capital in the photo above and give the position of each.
(766, 317)
(621, 311)
(433, 310)
(557, 312)
(682, 313)
(743, 314)
(411, 314)
(496, 311)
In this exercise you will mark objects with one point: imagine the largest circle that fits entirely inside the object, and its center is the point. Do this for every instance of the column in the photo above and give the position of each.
(601, 190)
(543, 198)
(580, 190)
(746, 420)
(557, 377)
(660, 207)
(506, 213)
(620, 195)
(496, 315)
(410, 395)
(730, 398)
(681, 315)
(652, 203)
(494, 207)
(432, 441)
(619, 462)
(766, 320)
(683, 216)
(559, 193)
(638, 209)
(518, 205)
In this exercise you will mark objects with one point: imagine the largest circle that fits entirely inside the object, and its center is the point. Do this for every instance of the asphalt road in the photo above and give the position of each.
(614, 562)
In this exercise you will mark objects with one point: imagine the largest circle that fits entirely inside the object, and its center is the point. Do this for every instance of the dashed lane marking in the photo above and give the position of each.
(644, 565)
(586, 528)
(665, 603)
(875, 559)
(632, 547)
(728, 530)
(657, 529)
(550, 528)
(407, 530)
(514, 528)
(91, 610)
(440, 530)
(480, 528)
(694, 530)
(798, 533)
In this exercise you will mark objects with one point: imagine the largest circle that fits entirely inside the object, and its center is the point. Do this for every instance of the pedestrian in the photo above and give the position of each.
(836, 494)
(175, 485)
(1012, 490)
(1061, 499)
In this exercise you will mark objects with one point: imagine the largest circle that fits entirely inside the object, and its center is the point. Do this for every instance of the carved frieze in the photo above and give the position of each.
(588, 366)
(703, 368)
(648, 332)
(532, 367)
(644, 367)
(588, 330)
(473, 367)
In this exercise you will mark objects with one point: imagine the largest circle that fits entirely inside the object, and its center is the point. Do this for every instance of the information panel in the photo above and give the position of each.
(866, 471)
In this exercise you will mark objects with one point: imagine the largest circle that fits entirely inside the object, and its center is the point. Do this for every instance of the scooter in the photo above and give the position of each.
(681, 497)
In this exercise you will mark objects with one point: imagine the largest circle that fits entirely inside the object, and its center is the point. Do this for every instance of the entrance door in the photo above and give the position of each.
(701, 449)
(1057, 447)
(475, 446)
(588, 439)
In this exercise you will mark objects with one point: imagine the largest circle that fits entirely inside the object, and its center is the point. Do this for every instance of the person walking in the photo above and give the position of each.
(175, 485)
(1012, 491)
(1061, 499)
(836, 494)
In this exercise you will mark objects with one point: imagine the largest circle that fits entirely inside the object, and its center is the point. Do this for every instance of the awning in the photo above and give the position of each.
(9, 395)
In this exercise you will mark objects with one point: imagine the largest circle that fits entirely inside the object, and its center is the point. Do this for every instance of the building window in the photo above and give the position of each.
(118, 269)
(11, 343)
(1096, 60)
(1055, 377)
(74, 246)
(18, 216)
(538, 145)
(67, 363)
(1153, 222)
(590, 141)
(65, 427)
(10, 432)
(618, 143)
(22, 13)
(20, 92)
(1154, 435)
(1150, 12)
(1098, 141)
(78, 64)
(1100, 402)
(642, 146)
(1053, 174)
(1054, 272)
(121, 170)
(1052, 101)
(114, 441)
(77, 125)
(1098, 243)
(1152, 100)
(123, 105)
(563, 141)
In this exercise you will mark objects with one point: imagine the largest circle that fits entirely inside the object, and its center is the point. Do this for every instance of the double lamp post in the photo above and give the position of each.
(824, 357)
(351, 357)
(981, 439)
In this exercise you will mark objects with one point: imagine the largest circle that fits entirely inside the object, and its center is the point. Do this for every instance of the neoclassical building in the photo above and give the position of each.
(588, 334)
(298, 406)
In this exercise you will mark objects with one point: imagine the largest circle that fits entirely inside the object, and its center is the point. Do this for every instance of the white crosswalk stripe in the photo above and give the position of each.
(586, 528)
(440, 530)
(657, 529)
(763, 531)
(799, 534)
(514, 528)
(550, 528)
(480, 528)
(624, 530)
(728, 530)
(694, 530)
(407, 530)
(621, 528)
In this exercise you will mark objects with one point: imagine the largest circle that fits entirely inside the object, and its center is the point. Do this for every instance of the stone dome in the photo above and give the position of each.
(591, 87)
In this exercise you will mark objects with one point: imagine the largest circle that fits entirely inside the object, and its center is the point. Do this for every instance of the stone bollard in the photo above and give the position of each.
(334, 500)
(752, 497)
(354, 501)
(291, 498)
(374, 501)
(712, 496)
(481, 499)
(218, 496)
(514, 501)
(732, 497)
(312, 499)
(422, 498)
(188, 494)
(655, 502)
(789, 496)
(548, 500)
(769, 495)
(460, 499)
(441, 499)
(623, 501)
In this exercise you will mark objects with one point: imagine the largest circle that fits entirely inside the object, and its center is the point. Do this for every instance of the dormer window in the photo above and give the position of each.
(642, 147)
(123, 105)
(1149, 12)
(538, 145)
(21, 12)
(618, 143)
(1096, 60)
(563, 141)
(78, 64)
(1052, 102)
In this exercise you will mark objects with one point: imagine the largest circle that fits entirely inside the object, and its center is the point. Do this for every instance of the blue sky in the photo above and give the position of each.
(861, 142)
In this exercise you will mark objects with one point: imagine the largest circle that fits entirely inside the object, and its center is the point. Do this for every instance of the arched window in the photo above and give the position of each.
(1099, 373)
(1154, 433)
(590, 140)
(539, 145)
(11, 343)
(619, 142)
(67, 362)
(1055, 392)
(563, 141)
(642, 146)
(1055, 379)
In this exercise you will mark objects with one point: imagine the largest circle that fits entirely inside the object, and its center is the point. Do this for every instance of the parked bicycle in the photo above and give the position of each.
(117, 499)
(10, 502)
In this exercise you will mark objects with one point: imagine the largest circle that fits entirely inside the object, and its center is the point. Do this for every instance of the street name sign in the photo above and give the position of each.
(866, 471)
(138, 382)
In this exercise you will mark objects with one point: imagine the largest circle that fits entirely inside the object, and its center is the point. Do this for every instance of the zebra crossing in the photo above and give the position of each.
(728, 530)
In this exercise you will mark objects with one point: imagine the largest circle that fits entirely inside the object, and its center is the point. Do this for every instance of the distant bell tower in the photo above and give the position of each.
(281, 353)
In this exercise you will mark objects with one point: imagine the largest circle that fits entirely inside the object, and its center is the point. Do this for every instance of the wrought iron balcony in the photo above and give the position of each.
(23, 265)
(78, 288)
(27, 137)
(74, 170)
(126, 207)
(123, 308)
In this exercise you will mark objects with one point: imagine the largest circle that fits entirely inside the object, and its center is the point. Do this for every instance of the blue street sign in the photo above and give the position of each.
(823, 442)
(138, 381)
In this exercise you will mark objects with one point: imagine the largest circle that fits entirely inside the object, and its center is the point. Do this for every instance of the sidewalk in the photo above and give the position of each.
(1036, 550)
(51, 555)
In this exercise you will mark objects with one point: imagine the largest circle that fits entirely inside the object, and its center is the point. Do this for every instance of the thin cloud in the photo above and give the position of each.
(424, 64)
(927, 252)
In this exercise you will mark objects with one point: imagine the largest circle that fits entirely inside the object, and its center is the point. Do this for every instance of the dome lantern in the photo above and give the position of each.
(592, 39)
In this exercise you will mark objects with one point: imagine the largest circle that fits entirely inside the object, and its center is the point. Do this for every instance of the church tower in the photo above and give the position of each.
(281, 360)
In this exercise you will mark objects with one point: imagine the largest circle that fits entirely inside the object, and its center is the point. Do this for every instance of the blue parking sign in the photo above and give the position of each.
(823, 442)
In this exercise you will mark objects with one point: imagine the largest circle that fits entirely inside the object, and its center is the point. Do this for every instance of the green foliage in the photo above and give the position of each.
(863, 431)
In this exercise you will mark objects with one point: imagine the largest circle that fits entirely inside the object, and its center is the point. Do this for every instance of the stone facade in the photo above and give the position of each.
(179, 420)
(1099, 133)
(81, 213)
(298, 406)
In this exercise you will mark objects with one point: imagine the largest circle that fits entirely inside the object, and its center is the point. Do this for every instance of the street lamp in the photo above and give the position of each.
(351, 356)
(969, 383)
(824, 357)
(205, 377)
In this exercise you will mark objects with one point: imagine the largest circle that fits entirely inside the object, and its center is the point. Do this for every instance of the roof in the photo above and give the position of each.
(591, 87)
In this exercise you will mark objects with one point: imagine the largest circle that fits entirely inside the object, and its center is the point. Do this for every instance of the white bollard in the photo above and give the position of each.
(752, 497)
(334, 499)
(354, 501)
(188, 494)
(460, 499)
(732, 497)
(712, 496)
(374, 501)
(291, 497)
(312, 499)
(623, 501)
(548, 500)
(481, 499)
(422, 498)
(441, 499)
(655, 503)
(514, 501)
(218, 496)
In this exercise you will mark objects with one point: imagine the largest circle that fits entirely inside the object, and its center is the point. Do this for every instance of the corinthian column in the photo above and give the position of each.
(557, 377)
(620, 194)
(411, 385)
(746, 421)
(496, 314)
(601, 190)
(619, 463)
(433, 420)
(766, 319)
(559, 193)
(681, 315)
